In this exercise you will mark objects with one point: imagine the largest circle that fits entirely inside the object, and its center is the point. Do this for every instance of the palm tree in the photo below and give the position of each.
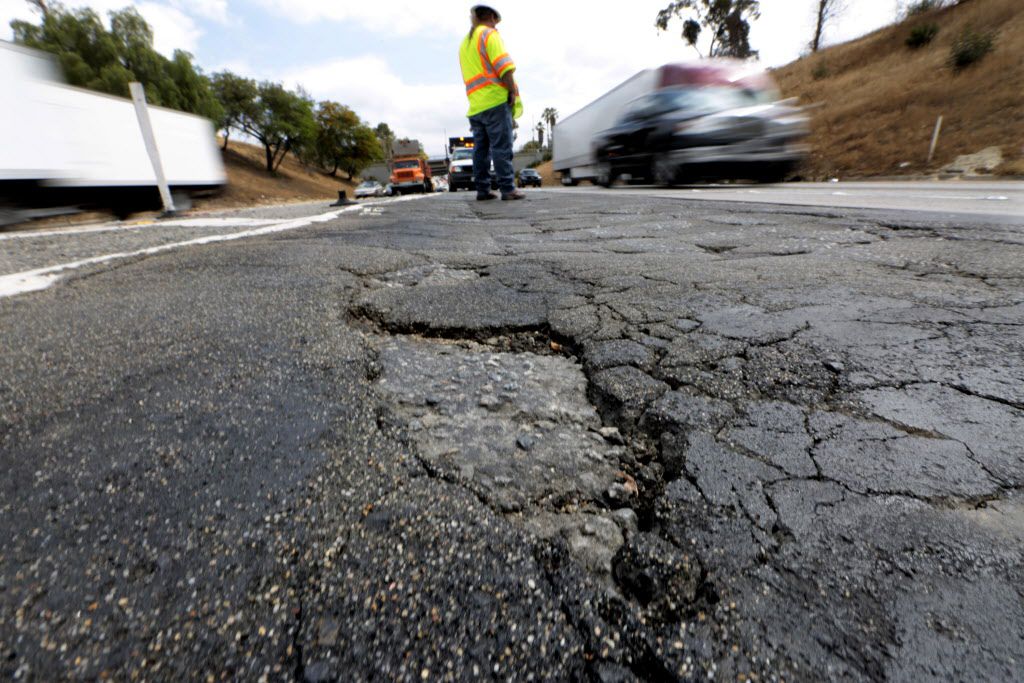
(550, 117)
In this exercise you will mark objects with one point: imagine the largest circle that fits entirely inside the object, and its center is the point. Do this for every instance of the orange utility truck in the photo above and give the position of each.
(410, 172)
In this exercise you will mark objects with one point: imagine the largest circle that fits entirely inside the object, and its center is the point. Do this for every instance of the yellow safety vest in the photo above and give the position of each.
(484, 61)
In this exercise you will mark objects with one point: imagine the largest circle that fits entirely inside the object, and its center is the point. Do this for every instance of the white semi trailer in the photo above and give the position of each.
(572, 138)
(66, 146)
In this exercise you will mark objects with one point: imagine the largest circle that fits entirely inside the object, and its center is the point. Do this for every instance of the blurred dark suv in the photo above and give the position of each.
(529, 176)
(684, 134)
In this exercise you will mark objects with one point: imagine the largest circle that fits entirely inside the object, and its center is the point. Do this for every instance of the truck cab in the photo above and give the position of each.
(410, 172)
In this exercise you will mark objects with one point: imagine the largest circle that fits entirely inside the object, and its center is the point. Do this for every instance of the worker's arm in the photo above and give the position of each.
(510, 84)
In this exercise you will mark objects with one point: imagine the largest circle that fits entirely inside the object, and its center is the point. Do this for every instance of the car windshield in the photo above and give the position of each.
(464, 153)
(407, 164)
(368, 183)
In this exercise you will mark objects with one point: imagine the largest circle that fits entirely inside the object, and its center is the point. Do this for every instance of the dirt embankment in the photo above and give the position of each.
(249, 184)
(876, 100)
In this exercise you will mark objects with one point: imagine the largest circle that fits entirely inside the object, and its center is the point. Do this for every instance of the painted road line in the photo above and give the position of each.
(189, 223)
(42, 278)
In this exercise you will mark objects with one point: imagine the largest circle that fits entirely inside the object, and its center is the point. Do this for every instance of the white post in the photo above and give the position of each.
(935, 139)
(141, 110)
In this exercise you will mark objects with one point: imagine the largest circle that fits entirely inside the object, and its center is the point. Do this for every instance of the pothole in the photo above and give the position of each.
(517, 430)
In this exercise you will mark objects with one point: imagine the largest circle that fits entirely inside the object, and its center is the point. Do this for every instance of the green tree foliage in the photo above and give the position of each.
(532, 145)
(550, 117)
(343, 142)
(728, 22)
(106, 60)
(385, 136)
(237, 96)
(281, 120)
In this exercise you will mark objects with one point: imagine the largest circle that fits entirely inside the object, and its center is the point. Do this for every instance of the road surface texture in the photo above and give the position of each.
(996, 201)
(590, 436)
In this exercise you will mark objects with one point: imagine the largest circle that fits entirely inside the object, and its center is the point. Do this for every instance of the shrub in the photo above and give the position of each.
(820, 71)
(970, 47)
(922, 35)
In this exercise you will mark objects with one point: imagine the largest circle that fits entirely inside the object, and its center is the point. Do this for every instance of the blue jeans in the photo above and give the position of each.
(492, 137)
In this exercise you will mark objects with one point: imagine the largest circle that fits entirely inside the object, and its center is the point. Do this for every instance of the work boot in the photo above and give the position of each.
(485, 197)
(514, 194)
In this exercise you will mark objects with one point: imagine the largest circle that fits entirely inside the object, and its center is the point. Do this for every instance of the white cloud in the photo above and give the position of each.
(214, 10)
(402, 17)
(172, 28)
(374, 91)
(14, 9)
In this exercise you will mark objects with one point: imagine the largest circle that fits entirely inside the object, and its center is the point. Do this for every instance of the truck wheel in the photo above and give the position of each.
(605, 178)
(452, 188)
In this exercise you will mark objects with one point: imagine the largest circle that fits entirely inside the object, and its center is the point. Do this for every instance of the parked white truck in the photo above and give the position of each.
(66, 146)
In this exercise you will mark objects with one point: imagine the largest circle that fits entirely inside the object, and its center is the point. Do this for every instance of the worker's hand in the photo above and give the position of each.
(512, 100)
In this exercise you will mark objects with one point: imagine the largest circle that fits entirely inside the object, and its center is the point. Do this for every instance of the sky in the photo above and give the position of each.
(397, 61)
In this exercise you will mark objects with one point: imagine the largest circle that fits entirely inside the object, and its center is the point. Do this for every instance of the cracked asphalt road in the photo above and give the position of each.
(590, 436)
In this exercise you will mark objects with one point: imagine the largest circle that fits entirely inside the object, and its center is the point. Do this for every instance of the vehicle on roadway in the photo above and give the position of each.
(69, 147)
(529, 176)
(369, 188)
(409, 171)
(460, 174)
(681, 135)
(713, 120)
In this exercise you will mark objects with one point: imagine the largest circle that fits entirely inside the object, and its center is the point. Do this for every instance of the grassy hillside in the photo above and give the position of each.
(249, 183)
(877, 99)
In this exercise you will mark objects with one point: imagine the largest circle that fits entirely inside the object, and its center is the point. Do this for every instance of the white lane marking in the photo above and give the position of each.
(41, 278)
(187, 223)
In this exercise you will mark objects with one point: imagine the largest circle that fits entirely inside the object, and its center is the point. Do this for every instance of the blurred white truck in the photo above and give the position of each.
(66, 146)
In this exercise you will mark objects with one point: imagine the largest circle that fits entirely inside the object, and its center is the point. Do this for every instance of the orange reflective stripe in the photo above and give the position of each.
(502, 63)
(478, 82)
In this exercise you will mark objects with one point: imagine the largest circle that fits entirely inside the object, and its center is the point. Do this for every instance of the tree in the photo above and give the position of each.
(343, 142)
(825, 13)
(532, 146)
(281, 120)
(540, 134)
(385, 136)
(364, 151)
(237, 97)
(107, 60)
(550, 117)
(40, 6)
(728, 21)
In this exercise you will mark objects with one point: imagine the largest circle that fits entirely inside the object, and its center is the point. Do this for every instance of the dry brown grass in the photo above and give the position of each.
(547, 174)
(880, 99)
(249, 184)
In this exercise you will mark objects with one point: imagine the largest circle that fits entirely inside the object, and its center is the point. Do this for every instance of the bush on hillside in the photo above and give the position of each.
(820, 71)
(921, 35)
(970, 47)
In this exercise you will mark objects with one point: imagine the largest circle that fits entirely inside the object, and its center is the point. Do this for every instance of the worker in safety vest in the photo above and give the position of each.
(488, 72)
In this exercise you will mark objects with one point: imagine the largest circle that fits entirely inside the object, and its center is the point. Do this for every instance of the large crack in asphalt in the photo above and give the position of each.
(737, 519)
